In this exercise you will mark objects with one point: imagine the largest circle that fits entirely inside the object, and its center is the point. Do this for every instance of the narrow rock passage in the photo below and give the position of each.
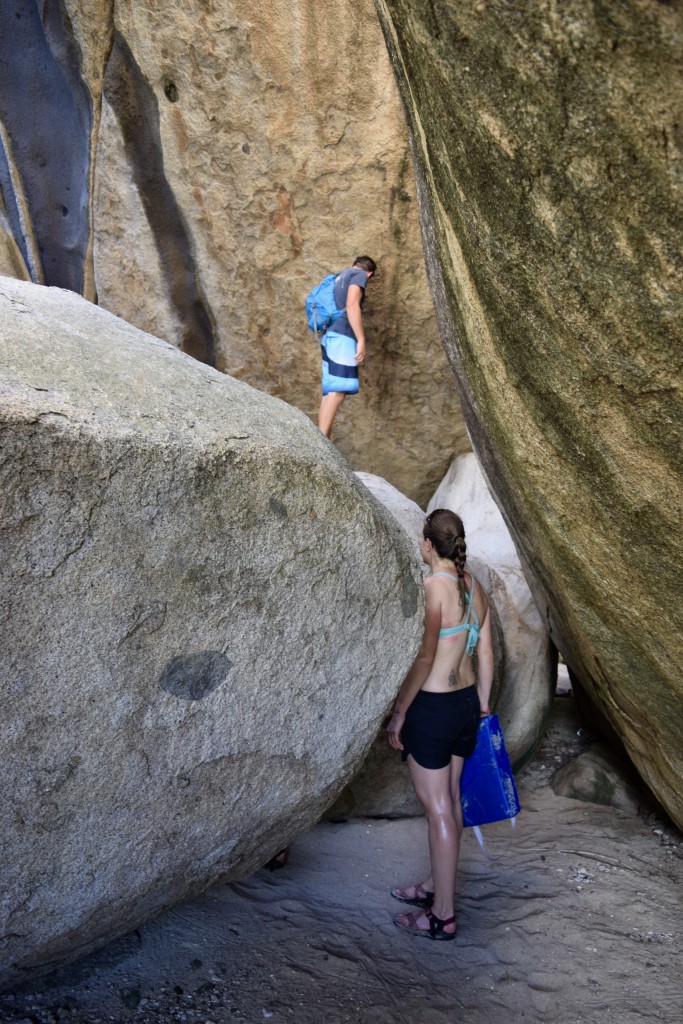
(577, 920)
(135, 105)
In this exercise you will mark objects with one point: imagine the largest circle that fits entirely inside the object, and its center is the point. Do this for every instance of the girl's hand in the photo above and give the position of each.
(484, 712)
(394, 730)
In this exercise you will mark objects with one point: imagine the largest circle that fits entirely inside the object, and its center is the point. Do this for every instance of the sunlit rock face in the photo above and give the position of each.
(548, 154)
(204, 616)
(196, 168)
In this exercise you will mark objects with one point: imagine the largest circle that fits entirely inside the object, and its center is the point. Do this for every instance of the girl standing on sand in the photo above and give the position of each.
(437, 712)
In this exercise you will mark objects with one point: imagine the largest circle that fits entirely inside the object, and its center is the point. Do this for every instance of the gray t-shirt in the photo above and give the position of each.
(352, 275)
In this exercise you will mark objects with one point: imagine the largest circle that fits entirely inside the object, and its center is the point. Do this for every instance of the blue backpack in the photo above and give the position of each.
(320, 306)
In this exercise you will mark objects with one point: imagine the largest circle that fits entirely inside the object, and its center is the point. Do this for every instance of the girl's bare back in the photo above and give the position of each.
(452, 669)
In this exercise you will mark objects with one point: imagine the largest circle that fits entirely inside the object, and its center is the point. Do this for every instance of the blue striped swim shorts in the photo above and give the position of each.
(340, 369)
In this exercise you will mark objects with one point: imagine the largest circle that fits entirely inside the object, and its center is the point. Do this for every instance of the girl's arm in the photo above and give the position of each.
(419, 670)
(485, 661)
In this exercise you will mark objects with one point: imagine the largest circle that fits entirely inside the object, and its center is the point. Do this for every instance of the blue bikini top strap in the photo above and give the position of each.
(472, 627)
(470, 598)
(450, 575)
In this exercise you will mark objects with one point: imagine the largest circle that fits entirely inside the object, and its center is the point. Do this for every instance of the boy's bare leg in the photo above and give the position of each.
(328, 410)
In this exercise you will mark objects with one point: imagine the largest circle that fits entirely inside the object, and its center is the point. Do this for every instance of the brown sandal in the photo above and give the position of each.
(436, 926)
(422, 898)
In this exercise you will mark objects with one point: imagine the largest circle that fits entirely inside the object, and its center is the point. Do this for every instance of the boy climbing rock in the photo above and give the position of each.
(343, 343)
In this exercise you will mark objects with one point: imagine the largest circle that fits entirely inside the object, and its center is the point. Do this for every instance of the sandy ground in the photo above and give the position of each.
(576, 921)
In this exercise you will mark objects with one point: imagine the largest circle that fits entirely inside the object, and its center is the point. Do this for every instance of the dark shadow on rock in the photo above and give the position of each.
(195, 676)
(47, 114)
(137, 111)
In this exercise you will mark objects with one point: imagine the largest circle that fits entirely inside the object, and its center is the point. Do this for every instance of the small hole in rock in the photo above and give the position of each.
(171, 91)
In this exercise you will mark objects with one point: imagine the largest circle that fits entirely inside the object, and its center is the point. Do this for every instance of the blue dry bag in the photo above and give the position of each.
(320, 306)
(487, 787)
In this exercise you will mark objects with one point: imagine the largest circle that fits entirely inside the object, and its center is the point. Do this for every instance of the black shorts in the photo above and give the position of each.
(440, 725)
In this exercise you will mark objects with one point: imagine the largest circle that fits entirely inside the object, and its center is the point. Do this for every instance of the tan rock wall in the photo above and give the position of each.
(240, 151)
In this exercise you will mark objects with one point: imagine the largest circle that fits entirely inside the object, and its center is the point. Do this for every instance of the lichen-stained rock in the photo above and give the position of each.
(525, 664)
(238, 151)
(548, 156)
(204, 617)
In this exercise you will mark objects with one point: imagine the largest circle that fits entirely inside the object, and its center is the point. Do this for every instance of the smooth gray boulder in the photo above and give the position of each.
(205, 617)
(599, 776)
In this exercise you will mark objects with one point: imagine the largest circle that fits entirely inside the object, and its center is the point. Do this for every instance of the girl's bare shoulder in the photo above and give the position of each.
(436, 583)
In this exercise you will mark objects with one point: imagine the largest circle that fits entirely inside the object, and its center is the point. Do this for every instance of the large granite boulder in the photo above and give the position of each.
(548, 156)
(197, 168)
(205, 618)
(525, 663)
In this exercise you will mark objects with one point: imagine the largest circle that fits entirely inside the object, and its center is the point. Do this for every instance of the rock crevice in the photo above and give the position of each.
(45, 157)
(135, 106)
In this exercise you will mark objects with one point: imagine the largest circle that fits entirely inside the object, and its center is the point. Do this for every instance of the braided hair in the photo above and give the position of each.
(446, 532)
